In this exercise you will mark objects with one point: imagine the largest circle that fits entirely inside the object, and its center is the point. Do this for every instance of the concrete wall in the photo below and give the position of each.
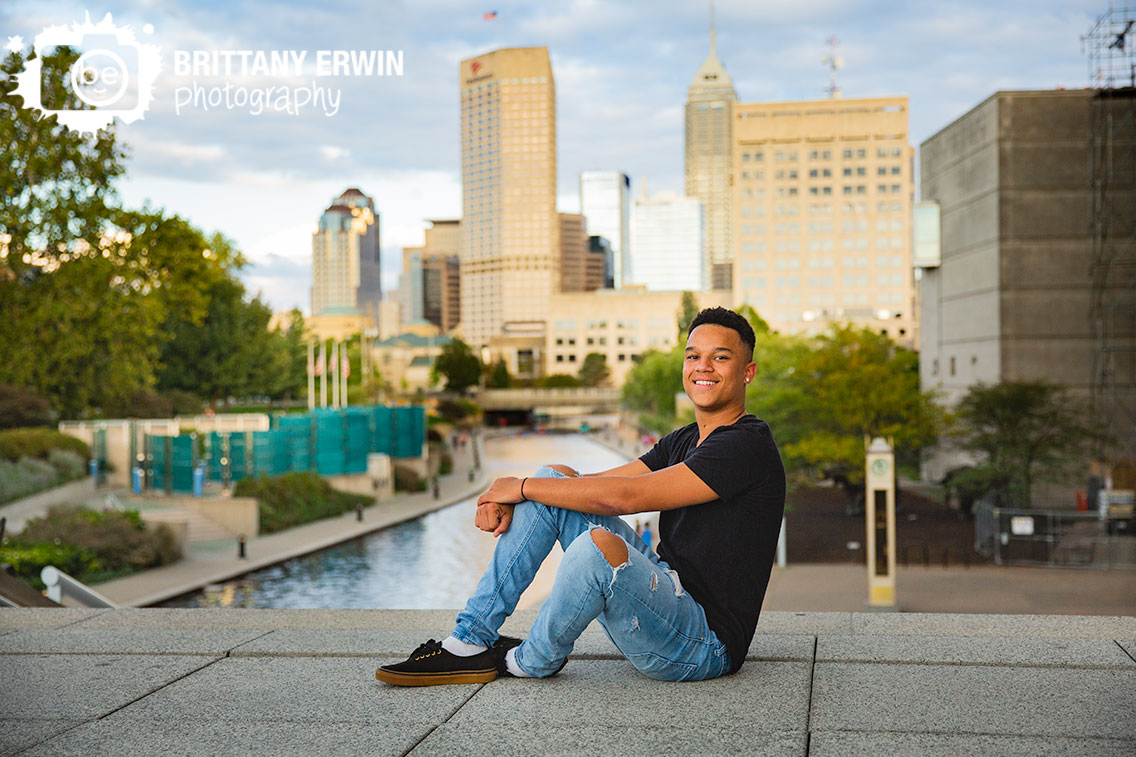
(236, 514)
(960, 314)
(1046, 242)
(1011, 299)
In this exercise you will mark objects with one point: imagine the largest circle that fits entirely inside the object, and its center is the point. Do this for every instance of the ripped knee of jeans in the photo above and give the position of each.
(613, 548)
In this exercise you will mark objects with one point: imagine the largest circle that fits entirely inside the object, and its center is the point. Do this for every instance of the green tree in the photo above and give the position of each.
(1024, 433)
(685, 315)
(594, 371)
(651, 386)
(230, 352)
(57, 185)
(759, 324)
(295, 344)
(458, 365)
(853, 384)
(499, 378)
(84, 285)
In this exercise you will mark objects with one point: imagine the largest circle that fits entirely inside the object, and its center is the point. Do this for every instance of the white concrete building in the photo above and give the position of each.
(605, 202)
(668, 243)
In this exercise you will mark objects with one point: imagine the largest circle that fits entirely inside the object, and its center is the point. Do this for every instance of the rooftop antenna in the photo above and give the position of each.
(834, 63)
(713, 41)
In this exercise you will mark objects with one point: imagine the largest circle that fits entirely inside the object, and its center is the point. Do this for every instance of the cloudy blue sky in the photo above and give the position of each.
(621, 68)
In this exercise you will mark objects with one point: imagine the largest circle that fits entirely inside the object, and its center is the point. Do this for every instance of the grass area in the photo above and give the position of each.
(293, 499)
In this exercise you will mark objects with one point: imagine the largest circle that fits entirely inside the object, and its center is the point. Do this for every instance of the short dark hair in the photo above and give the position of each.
(724, 317)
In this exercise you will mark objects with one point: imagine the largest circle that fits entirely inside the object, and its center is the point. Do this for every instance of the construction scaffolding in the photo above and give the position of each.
(1111, 48)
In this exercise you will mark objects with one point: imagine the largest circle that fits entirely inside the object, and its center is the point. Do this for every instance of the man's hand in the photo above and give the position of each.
(494, 517)
(503, 491)
(495, 506)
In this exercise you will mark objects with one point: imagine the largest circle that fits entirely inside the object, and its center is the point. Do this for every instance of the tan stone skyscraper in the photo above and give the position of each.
(510, 248)
(823, 196)
(709, 142)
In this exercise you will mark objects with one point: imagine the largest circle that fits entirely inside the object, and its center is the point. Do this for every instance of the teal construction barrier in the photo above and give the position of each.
(171, 460)
(331, 442)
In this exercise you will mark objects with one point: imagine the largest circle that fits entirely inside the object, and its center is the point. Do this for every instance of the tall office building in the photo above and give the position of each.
(345, 257)
(441, 290)
(429, 284)
(510, 244)
(410, 295)
(823, 195)
(710, 101)
(574, 250)
(605, 201)
(600, 262)
(668, 242)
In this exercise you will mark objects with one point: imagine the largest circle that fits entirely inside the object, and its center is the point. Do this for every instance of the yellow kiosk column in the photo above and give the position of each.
(879, 512)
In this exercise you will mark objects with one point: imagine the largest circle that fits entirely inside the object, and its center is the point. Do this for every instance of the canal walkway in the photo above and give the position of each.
(212, 562)
(301, 682)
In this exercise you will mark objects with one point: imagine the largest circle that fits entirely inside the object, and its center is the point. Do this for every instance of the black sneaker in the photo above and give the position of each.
(430, 665)
(501, 648)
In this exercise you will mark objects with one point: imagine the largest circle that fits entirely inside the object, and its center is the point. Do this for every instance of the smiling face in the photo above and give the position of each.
(716, 368)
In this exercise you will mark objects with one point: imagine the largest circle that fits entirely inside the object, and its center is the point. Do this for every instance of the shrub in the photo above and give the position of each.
(70, 465)
(557, 381)
(27, 560)
(37, 442)
(406, 480)
(91, 545)
(185, 403)
(21, 406)
(457, 410)
(293, 499)
(27, 476)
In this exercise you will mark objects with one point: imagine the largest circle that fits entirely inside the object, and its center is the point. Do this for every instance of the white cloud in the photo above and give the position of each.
(333, 153)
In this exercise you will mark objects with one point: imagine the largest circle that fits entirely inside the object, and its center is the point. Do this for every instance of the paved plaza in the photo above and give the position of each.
(214, 681)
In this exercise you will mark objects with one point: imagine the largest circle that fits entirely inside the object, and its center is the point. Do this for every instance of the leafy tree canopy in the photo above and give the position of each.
(1023, 432)
(100, 302)
(458, 365)
(594, 371)
(687, 311)
(499, 378)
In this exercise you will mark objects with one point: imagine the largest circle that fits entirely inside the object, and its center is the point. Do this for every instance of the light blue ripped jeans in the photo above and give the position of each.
(640, 604)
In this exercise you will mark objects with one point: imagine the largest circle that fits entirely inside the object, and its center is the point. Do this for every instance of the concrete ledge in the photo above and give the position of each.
(148, 681)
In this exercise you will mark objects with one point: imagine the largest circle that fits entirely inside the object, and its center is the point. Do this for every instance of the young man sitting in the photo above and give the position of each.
(687, 614)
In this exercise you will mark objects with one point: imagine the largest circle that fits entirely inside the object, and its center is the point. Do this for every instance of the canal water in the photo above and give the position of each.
(432, 562)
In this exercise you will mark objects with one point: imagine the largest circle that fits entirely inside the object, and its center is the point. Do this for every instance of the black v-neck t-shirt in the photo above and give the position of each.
(723, 549)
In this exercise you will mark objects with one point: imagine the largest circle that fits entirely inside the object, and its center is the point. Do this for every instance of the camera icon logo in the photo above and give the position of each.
(113, 76)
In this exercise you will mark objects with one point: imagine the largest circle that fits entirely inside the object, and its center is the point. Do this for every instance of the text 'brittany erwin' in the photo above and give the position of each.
(283, 63)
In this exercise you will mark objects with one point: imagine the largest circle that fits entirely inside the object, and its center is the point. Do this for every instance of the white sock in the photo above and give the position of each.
(512, 666)
(459, 648)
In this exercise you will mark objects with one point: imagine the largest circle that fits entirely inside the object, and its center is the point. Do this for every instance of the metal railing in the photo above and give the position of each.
(59, 585)
(1057, 538)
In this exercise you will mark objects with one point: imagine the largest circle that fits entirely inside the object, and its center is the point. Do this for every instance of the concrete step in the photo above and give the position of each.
(200, 527)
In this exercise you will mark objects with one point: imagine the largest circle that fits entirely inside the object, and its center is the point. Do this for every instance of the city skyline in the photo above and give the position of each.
(621, 83)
